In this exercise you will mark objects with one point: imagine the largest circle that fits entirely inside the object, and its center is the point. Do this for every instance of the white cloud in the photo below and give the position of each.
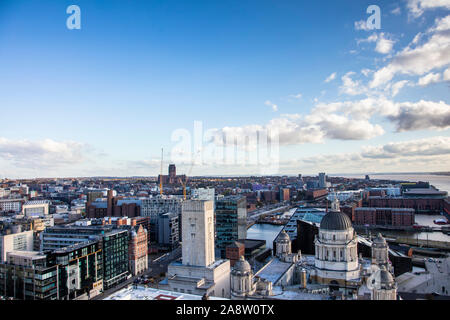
(422, 115)
(350, 86)
(396, 11)
(433, 54)
(446, 75)
(272, 105)
(429, 79)
(44, 153)
(296, 96)
(402, 156)
(418, 7)
(384, 45)
(422, 147)
(396, 87)
(331, 77)
(361, 25)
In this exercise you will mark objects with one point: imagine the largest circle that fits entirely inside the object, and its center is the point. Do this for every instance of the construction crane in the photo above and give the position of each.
(161, 175)
(183, 183)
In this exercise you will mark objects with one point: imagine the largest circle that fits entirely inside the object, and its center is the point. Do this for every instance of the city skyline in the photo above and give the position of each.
(104, 100)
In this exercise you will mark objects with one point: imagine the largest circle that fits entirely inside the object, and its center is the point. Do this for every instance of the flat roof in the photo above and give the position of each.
(143, 293)
(274, 270)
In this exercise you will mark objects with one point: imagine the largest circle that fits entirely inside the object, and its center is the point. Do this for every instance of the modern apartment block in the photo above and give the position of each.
(80, 269)
(64, 274)
(115, 257)
(27, 275)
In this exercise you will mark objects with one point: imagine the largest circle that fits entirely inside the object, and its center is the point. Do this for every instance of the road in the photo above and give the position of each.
(156, 267)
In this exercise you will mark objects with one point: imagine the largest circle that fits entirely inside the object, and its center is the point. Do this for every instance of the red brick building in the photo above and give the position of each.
(234, 251)
(316, 194)
(420, 205)
(384, 216)
(138, 250)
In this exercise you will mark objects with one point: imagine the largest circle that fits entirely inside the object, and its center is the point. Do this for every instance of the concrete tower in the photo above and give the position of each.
(198, 233)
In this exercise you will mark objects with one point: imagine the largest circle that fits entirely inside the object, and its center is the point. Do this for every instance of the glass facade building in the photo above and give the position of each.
(231, 221)
(115, 257)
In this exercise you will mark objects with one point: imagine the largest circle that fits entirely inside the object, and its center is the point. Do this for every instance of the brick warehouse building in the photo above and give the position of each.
(113, 207)
(420, 205)
(384, 216)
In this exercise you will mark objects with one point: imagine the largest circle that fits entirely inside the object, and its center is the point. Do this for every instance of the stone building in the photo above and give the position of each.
(199, 272)
(138, 250)
(336, 256)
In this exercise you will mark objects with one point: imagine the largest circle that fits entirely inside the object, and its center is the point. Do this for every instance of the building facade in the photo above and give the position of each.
(231, 221)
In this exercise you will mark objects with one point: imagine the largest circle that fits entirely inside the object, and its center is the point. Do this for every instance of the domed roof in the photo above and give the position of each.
(385, 276)
(242, 266)
(335, 220)
(283, 236)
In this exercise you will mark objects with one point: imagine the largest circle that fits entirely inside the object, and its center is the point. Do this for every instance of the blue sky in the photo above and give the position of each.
(104, 99)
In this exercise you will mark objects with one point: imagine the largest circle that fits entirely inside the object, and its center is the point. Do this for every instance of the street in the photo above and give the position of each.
(156, 267)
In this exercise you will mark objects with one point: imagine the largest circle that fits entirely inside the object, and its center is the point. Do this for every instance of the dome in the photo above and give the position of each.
(242, 266)
(335, 220)
(283, 236)
(385, 276)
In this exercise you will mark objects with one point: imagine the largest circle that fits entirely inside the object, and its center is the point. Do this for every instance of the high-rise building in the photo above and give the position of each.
(198, 236)
(322, 180)
(168, 230)
(199, 272)
(231, 221)
(115, 257)
(155, 207)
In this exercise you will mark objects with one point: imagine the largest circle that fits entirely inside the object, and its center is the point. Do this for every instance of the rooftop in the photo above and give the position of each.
(274, 270)
(142, 293)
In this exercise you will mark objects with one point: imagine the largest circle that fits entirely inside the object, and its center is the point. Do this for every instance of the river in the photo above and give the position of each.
(266, 232)
(439, 181)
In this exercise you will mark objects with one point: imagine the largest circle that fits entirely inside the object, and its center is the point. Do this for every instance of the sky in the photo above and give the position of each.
(202, 79)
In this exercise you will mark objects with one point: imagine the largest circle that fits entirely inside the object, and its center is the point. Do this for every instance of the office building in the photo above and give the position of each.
(80, 269)
(322, 180)
(37, 208)
(115, 257)
(231, 221)
(168, 231)
(14, 239)
(27, 276)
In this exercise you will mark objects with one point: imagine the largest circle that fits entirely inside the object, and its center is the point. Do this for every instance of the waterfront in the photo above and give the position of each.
(266, 232)
(439, 181)
(269, 232)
